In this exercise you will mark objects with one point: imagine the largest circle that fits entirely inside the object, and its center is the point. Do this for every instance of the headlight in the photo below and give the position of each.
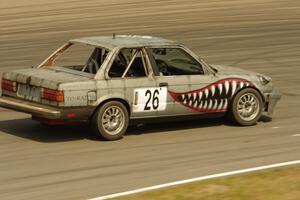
(264, 79)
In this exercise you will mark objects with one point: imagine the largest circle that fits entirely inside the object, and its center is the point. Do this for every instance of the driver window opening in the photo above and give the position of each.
(175, 61)
(128, 63)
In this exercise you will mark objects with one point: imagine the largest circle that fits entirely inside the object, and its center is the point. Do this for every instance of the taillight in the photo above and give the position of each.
(9, 85)
(52, 95)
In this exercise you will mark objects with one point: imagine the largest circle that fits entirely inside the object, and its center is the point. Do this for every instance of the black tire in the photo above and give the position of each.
(240, 108)
(110, 126)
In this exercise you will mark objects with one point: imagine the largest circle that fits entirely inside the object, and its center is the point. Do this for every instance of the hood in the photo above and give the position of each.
(259, 80)
(226, 70)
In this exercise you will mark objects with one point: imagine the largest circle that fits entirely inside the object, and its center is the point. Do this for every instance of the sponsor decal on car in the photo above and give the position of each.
(150, 99)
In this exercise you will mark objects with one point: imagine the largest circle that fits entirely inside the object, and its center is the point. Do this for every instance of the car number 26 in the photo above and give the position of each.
(150, 99)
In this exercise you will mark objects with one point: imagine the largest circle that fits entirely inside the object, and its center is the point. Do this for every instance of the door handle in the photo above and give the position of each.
(163, 84)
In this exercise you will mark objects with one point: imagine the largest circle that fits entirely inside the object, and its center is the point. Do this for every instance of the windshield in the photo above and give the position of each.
(78, 56)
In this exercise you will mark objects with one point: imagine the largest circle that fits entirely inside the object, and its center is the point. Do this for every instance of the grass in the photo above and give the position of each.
(278, 184)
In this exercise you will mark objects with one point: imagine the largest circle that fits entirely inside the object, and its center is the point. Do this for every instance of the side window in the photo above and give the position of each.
(175, 61)
(95, 60)
(128, 63)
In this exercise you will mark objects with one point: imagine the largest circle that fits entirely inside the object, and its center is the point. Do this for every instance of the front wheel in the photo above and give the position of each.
(246, 107)
(110, 120)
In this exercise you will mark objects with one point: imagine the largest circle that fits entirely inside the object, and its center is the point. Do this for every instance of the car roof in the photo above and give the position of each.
(111, 42)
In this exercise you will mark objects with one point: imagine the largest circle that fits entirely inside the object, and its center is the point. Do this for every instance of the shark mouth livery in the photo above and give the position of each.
(212, 98)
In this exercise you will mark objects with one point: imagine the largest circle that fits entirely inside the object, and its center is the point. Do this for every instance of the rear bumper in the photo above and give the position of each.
(271, 101)
(30, 108)
(46, 112)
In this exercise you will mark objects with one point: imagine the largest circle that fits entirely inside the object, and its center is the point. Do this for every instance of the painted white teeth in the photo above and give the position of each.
(215, 105)
(189, 101)
(233, 87)
(195, 96)
(184, 99)
(241, 84)
(210, 104)
(221, 105)
(205, 105)
(200, 96)
(213, 88)
(200, 105)
(226, 86)
(225, 104)
(195, 104)
(220, 86)
(206, 92)
(189, 97)
(194, 99)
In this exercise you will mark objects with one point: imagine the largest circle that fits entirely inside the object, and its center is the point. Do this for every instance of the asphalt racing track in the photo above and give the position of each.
(37, 162)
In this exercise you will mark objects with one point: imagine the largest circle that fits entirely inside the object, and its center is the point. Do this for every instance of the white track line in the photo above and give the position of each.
(296, 135)
(201, 178)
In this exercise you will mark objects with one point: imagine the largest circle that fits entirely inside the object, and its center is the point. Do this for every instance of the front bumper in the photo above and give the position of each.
(271, 100)
(30, 108)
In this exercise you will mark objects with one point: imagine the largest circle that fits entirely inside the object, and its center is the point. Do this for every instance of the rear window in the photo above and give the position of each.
(81, 57)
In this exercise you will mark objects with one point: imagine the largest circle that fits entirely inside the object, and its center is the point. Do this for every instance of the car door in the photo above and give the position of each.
(131, 76)
(186, 79)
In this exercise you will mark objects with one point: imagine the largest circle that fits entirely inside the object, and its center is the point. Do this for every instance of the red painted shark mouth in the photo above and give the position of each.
(212, 98)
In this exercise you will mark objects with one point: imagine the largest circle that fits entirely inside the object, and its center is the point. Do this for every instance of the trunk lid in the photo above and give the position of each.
(30, 81)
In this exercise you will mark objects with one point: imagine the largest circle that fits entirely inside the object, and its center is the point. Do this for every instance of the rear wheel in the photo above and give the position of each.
(246, 107)
(110, 120)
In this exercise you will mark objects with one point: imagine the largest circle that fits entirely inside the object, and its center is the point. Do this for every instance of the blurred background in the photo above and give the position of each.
(245, 33)
(258, 35)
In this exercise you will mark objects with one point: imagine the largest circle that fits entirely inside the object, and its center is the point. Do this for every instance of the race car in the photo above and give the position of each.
(112, 81)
